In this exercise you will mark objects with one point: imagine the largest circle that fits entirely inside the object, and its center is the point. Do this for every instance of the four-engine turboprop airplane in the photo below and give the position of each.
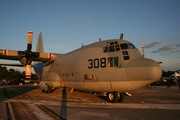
(113, 66)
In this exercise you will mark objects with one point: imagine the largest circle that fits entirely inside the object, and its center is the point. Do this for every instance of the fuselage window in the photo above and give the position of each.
(125, 52)
(111, 48)
(116, 63)
(126, 58)
(110, 62)
(132, 46)
(124, 46)
(117, 47)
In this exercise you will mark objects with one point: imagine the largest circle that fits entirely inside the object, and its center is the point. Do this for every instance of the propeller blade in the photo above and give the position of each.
(29, 40)
(10, 53)
(143, 51)
(28, 71)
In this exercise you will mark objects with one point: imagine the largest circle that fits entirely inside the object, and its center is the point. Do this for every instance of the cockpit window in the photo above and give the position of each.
(114, 46)
(132, 46)
(124, 46)
(107, 44)
(111, 49)
(117, 47)
(111, 43)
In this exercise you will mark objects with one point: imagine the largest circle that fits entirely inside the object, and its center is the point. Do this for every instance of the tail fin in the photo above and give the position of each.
(38, 66)
(40, 46)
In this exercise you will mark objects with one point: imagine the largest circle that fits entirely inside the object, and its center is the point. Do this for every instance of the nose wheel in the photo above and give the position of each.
(115, 97)
(48, 89)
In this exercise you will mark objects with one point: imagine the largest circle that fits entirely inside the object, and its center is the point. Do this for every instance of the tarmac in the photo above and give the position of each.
(155, 98)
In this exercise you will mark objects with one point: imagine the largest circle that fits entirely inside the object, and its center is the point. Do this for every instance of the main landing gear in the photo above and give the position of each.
(115, 97)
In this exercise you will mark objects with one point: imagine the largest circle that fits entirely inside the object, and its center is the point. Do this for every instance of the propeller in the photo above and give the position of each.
(26, 57)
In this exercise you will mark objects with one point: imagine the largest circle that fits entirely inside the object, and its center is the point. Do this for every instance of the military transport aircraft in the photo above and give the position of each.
(113, 66)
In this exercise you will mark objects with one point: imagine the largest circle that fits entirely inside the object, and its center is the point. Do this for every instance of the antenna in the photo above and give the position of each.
(143, 51)
(121, 36)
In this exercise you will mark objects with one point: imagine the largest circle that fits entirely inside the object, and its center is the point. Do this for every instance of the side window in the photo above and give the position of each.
(117, 47)
(110, 62)
(116, 63)
(124, 46)
(111, 49)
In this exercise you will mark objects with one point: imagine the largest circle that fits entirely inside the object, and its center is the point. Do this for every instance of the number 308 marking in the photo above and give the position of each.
(96, 63)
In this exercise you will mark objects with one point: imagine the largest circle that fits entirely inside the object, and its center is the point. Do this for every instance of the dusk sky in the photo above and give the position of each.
(65, 24)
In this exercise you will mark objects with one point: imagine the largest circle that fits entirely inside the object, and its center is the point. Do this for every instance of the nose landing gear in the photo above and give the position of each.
(115, 97)
(48, 89)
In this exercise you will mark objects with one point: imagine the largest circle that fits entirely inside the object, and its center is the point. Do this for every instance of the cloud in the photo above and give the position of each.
(174, 51)
(177, 45)
(162, 54)
(167, 48)
(150, 45)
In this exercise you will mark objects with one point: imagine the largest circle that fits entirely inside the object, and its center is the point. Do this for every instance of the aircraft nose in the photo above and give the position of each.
(143, 70)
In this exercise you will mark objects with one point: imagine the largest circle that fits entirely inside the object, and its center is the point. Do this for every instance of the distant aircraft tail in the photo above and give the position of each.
(38, 66)
(40, 46)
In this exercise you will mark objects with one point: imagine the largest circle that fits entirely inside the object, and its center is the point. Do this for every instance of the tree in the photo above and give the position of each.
(3, 73)
(13, 74)
(167, 74)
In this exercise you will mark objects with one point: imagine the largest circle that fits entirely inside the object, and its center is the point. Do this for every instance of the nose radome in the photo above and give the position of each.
(143, 70)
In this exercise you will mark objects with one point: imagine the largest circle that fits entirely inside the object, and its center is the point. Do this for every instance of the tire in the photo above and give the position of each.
(48, 89)
(113, 97)
(121, 97)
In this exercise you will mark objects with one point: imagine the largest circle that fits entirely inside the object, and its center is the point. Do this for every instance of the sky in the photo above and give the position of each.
(65, 24)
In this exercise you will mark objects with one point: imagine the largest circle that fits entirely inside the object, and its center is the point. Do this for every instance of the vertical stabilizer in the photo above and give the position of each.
(39, 46)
